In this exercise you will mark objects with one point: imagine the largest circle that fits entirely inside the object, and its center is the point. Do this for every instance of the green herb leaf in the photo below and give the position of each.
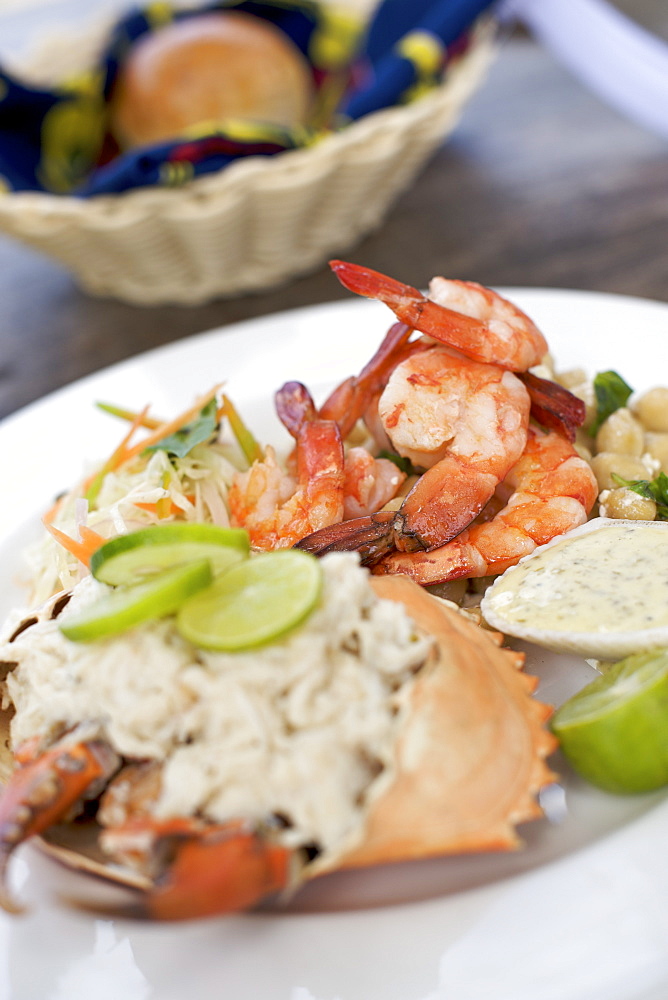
(654, 489)
(197, 431)
(402, 463)
(612, 393)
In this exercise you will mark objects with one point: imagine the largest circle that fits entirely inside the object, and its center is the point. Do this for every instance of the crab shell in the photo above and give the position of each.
(470, 753)
(468, 763)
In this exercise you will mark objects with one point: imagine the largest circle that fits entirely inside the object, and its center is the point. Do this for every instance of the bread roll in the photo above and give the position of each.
(206, 68)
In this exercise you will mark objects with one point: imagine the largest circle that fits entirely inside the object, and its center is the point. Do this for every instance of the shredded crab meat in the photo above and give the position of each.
(300, 728)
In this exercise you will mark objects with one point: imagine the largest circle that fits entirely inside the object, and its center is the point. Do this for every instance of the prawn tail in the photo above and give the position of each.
(553, 406)
(443, 502)
(415, 310)
(371, 537)
(374, 285)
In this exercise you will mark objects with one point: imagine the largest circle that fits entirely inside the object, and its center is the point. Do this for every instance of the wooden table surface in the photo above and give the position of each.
(540, 185)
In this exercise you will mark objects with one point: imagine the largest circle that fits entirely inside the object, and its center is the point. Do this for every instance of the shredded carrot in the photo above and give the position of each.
(124, 453)
(90, 537)
(82, 550)
(91, 486)
(53, 510)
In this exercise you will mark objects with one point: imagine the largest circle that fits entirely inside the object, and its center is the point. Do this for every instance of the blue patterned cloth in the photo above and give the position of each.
(57, 140)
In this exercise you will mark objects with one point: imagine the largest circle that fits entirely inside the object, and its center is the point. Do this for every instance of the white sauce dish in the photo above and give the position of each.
(599, 591)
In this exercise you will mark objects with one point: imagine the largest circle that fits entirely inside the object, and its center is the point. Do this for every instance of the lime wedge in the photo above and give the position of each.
(615, 731)
(126, 607)
(128, 557)
(253, 602)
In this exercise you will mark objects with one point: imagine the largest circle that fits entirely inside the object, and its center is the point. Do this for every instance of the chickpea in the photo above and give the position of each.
(577, 382)
(627, 466)
(625, 503)
(583, 444)
(543, 370)
(652, 409)
(657, 446)
(451, 590)
(359, 435)
(393, 504)
(621, 433)
(403, 491)
(572, 378)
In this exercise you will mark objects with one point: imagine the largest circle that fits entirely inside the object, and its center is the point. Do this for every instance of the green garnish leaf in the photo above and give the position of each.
(184, 440)
(612, 393)
(654, 489)
(402, 463)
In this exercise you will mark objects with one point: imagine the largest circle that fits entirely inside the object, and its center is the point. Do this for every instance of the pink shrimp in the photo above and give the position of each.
(458, 408)
(369, 483)
(278, 509)
(469, 317)
(474, 320)
(355, 395)
(466, 423)
(553, 490)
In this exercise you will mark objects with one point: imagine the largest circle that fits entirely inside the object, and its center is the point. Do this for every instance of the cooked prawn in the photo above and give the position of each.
(369, 483)
(350, 400)
(276, 508)
(463, 314)
(552, 491)
(466, 423)
(459, 408)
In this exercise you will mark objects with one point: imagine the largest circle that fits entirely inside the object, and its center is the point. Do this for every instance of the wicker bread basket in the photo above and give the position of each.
(253, 225)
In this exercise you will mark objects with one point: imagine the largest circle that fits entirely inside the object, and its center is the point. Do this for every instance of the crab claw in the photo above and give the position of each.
(199, 869)
(43, 789)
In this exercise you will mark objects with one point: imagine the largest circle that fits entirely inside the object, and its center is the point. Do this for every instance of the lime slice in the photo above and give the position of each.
(126, 607)
(254, 602)
(615, 731)
(124, 559)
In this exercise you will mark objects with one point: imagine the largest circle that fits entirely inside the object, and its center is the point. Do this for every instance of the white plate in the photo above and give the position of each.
(579, 915)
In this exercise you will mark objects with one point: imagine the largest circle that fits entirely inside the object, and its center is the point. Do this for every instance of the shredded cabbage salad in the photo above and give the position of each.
(181, 475)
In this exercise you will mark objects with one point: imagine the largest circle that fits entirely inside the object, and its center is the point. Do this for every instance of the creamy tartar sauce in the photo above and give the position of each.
(614, 579)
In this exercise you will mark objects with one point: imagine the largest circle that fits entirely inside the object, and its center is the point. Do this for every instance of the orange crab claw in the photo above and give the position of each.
(200, 870)
(44, 788)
